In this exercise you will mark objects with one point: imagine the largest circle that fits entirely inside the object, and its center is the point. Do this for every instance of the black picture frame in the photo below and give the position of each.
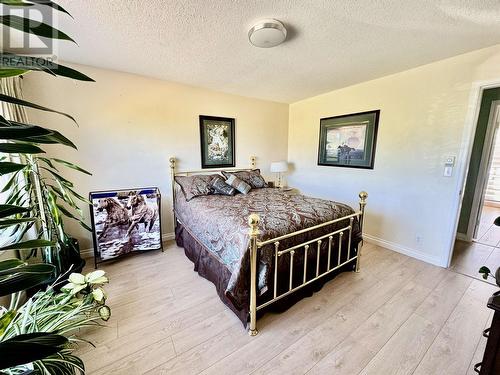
(98, 258)
(358, 150)
(227, 138)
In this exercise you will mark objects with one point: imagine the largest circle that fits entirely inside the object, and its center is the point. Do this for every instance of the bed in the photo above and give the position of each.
(267, 249)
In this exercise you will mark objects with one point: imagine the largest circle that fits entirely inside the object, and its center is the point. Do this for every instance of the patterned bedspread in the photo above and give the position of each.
(220, 224)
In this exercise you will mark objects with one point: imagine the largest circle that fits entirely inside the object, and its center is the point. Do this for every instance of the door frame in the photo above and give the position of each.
(468, 133)
(484, 171)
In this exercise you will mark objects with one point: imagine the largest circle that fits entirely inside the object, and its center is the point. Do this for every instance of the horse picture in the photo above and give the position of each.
(125, 221)
(116, 214)
(140, 213)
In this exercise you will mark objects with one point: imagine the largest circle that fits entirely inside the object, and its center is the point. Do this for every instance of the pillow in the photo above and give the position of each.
(239, 185)
(195, 186)
(252, 178)
(220, 187)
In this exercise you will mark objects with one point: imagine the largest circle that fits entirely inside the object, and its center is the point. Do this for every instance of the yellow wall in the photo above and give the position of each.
(422, 120)
(130, 125)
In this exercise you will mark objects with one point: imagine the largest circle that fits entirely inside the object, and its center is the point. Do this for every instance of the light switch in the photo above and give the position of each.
(448, 171)
(449, 163)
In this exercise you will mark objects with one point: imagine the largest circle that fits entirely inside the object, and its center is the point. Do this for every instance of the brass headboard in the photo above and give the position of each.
(174, 172)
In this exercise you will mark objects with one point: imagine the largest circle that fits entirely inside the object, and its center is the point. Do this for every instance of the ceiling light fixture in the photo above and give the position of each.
(267, 33)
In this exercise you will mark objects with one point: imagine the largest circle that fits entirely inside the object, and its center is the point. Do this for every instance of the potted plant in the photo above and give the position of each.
(40, 333)
(37, 199)
(36, 181)
(18, 349)
(487, 274)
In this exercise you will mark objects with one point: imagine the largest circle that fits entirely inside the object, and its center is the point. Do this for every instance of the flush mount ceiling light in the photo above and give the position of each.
(267, 33)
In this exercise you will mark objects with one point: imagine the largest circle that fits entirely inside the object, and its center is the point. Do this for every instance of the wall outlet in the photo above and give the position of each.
(419, 239)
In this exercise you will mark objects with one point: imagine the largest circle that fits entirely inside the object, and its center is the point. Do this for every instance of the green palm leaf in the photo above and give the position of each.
(6, 73)
(27, 348)
(7, 210)
(52, 138)
(29, 244)
(8, 264)
(11, 61)
(59, 178)
(24, 277)
(48, 162)
(72, 166)
(20, 148)
(5, 320)
(85, 226)
(51, 202)
(25, 268)
(9, 167)
(10, 99)
(52, 5)
(9, 185)
(16, 3)
(22, 132)
(33, 133)
(67, 213)
(34, 27)
(4, 121)
(11, 222)
(78, 196)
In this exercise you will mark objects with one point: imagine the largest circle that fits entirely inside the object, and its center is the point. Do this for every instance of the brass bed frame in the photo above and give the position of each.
(255, 244)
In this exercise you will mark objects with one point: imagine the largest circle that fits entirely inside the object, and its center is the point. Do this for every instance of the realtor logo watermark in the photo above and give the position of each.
(27, 30)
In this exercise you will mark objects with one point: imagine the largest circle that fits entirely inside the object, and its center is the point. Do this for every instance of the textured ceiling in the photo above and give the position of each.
(331, 44)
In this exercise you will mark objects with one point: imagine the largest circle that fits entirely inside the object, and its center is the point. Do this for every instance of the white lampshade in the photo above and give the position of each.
(279, 166)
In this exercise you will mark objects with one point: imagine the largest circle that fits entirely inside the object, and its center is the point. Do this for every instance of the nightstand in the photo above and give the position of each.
(290, 190)
(491, 358)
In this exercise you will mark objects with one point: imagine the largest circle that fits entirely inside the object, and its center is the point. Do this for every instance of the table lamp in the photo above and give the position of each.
(279, 167)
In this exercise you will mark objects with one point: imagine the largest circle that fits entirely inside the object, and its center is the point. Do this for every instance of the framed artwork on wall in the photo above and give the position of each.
(217, 142)
(348, 140)
(125, 221)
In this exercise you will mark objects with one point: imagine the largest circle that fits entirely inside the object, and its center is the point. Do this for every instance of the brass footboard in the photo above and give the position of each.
(255, 245)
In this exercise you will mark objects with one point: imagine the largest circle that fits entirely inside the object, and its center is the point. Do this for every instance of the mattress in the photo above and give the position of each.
(219, 224)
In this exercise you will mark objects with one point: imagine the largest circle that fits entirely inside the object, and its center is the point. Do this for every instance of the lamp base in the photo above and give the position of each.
(279, 181)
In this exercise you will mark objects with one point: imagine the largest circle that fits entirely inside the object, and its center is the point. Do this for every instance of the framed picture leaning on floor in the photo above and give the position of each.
(125, 221)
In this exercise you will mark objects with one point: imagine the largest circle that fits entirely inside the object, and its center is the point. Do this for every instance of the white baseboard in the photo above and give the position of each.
(404, 250)
(89, 253)
(168, 236)
(462, 237)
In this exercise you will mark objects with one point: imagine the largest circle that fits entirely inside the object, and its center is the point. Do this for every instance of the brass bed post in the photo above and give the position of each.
(172, 181)
(253, 222)
(362, 203)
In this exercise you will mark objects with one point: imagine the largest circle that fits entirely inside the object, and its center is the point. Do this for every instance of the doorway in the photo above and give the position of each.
(478, 239)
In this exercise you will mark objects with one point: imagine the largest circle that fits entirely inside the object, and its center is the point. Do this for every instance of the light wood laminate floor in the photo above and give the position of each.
(468, 257)
(487, 233)
(397, 316)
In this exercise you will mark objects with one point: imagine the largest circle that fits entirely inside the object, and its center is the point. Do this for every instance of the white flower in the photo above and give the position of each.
(77, 278)
(104, 312)
(98, 294)
(96, 277)
(76, 302)
(74, 288)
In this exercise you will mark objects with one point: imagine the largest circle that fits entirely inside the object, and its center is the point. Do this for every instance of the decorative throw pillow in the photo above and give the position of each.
(239, 185)
(252, 178)
(220, 187)
(195, 186)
